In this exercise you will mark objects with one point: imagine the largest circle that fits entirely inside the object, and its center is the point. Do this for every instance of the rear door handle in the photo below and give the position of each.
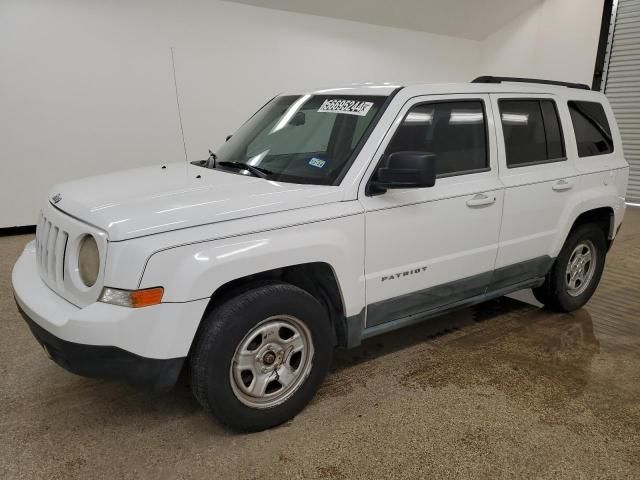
(480, 199)
(561, 185)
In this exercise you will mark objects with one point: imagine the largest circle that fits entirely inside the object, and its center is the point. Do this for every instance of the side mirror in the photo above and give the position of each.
(228, 137)
(406, 170)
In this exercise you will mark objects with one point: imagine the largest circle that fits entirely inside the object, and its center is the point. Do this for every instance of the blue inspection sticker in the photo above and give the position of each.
(317, 162)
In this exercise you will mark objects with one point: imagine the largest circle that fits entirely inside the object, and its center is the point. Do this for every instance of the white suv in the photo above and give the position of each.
(329, 217)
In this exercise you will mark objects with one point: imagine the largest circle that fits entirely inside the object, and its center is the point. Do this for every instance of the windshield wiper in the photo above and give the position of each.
(255, 171)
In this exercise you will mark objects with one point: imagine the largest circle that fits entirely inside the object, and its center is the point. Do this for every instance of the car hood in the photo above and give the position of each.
(144, 201)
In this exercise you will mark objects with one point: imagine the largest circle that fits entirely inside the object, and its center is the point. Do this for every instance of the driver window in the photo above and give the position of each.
(454, 131)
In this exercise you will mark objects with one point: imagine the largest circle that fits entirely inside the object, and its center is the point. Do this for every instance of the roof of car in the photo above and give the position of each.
(419, 88)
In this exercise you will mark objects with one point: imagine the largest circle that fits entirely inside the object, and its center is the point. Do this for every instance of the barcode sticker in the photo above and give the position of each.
(348, 107)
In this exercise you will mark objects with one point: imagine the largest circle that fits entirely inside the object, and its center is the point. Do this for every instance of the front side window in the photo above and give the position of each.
(593, 134)
(532, 132)
(303, 139)
(454, 131)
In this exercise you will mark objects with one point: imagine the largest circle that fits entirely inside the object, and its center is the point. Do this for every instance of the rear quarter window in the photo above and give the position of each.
(532, 132)
(591, 127)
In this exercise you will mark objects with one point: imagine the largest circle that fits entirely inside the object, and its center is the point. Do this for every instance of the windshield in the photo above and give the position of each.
(303, 139)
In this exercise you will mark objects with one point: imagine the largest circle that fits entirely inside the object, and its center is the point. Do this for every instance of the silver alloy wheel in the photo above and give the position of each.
(271, 362)
(580, 268)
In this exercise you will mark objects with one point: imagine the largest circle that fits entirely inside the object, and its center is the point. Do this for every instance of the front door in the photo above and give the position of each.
(429, 248)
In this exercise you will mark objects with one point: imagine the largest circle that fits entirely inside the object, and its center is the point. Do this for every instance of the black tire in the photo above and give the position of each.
(554, 293)
(223, 330)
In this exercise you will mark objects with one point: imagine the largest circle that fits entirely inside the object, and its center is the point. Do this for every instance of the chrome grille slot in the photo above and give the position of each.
(38, 235)
(45, 242)
(61, 248)
(51, 251)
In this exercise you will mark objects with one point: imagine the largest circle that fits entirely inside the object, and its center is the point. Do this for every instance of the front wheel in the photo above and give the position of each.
(576, 272)
(261, 356)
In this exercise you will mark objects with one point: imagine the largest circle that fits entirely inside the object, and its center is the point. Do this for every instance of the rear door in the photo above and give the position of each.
(538, 179)
(427, 248)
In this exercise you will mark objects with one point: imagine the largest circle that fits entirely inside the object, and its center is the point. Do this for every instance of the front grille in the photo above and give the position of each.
(58, 236)
(51, 245)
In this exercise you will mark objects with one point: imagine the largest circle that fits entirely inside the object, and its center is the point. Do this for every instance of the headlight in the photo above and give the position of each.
(88, 260)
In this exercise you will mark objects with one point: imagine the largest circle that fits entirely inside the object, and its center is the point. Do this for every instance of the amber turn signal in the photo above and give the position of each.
(132, 298)
(146, 297)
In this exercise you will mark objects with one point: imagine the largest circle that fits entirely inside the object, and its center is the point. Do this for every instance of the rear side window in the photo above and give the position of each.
(532, 132)
(454, 131)
(591, 127)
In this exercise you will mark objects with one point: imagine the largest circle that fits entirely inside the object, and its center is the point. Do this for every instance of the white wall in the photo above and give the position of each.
(557, 39)
(86, 86)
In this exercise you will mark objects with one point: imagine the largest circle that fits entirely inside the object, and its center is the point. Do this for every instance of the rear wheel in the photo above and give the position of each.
(261, 356)
(576, 272)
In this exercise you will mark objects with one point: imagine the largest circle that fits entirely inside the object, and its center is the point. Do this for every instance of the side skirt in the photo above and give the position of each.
(412, 308)
(420, 317)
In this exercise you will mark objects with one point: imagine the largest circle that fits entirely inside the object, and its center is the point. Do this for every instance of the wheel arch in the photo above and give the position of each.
(601, 213)
(319, 279)
(603, 217)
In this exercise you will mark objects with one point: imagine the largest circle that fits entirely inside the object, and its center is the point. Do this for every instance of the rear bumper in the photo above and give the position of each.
(106, 361)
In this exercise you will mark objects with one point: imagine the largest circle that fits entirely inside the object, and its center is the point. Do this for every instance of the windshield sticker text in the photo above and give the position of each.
(348, 107)
(316, 162)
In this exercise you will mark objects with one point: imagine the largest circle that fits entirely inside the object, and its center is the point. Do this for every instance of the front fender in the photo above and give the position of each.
(197, 270)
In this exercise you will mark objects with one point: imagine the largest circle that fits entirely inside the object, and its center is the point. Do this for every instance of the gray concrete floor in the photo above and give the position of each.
(502, 390)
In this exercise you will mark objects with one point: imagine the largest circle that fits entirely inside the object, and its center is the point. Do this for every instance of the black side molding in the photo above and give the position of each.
(491, 79)
(397, 312)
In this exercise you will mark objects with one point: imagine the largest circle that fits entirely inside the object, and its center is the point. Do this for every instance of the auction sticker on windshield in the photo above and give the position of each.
(349, 107)
(317, 162)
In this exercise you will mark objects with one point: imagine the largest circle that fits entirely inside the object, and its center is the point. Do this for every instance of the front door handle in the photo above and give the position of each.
(480, 199)
(561, 185)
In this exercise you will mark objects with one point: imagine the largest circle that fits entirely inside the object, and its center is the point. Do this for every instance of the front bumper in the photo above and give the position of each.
(107, 362)
(145, 346)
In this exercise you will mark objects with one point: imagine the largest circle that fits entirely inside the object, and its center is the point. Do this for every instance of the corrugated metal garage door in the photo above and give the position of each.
(622, 84)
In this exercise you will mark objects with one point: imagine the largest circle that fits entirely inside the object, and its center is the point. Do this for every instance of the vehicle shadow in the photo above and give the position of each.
(478, 324)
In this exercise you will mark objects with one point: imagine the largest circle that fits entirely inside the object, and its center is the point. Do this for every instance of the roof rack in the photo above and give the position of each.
(490, 79)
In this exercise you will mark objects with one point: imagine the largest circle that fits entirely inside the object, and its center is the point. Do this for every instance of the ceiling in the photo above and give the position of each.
(472, 19)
